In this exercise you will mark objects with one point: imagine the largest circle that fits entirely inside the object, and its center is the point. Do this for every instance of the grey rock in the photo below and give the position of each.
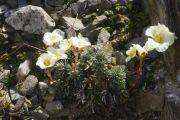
(105, 4)
(88, 29)
(120, 58)
(1, 23)
(3, 38)
(7, 29)
(72, 22)
(123, 2)
(172, 92)
(114, 1)
(4, 98)
(14, 95)
(70, 32)
(3, 9)
(36, 2)
(12, 3)
(29, 85)
(50, 95)
(4, 74)
(93, 4)
(160, 73)
(105, 48)
(43, 88)
(83, 6)
(17, 37)
(22, 3)
(93, 34)
(31, 19)
(79, 7)
(28, 118)
(2, 1)
(178, 76)
(103, 37)
(69, 13)
(55, 3)
(20, 102)
(99, 4)
(34, 99)
(99, 20)
(57, 16)
(40, 114)
(54, 108)
(146, 102)
(23, 70)
(89, 18)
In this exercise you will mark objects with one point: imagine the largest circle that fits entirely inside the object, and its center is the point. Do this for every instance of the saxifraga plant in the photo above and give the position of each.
(96, 83)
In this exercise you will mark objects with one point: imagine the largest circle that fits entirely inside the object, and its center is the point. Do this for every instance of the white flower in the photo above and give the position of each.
(51, 38)
(161, 38)
(56, 53)
(140, 51)
(65, 44)
(45, 61)
(80, 42)
(131, 53)
(135, 50)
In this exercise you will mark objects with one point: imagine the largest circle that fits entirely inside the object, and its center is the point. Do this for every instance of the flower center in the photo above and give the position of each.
(141, 55)
(47, 62)
(158, 38)
(68, 44)
(53, 38)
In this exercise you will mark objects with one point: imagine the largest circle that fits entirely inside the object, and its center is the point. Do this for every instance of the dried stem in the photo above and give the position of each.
(21, 46)
(50, 75)
(76, 53)
(34, 47)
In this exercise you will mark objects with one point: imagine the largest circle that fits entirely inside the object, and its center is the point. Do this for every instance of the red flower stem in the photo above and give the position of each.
(139, 77)
(140, 70)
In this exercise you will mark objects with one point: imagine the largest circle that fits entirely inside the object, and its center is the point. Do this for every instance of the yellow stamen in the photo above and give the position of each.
(141, 55)
(68, 44)
(53, 38)
(158, 38)
(47, 62)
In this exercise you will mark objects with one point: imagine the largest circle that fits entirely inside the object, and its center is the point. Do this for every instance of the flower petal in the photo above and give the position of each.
(150, 45)
(128, 59)
(46, 39)
(162, 48)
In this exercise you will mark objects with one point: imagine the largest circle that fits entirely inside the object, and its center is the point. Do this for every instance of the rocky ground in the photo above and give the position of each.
(114, 24)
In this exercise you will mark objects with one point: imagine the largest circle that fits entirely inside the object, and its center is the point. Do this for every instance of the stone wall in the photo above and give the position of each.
(168, 13)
